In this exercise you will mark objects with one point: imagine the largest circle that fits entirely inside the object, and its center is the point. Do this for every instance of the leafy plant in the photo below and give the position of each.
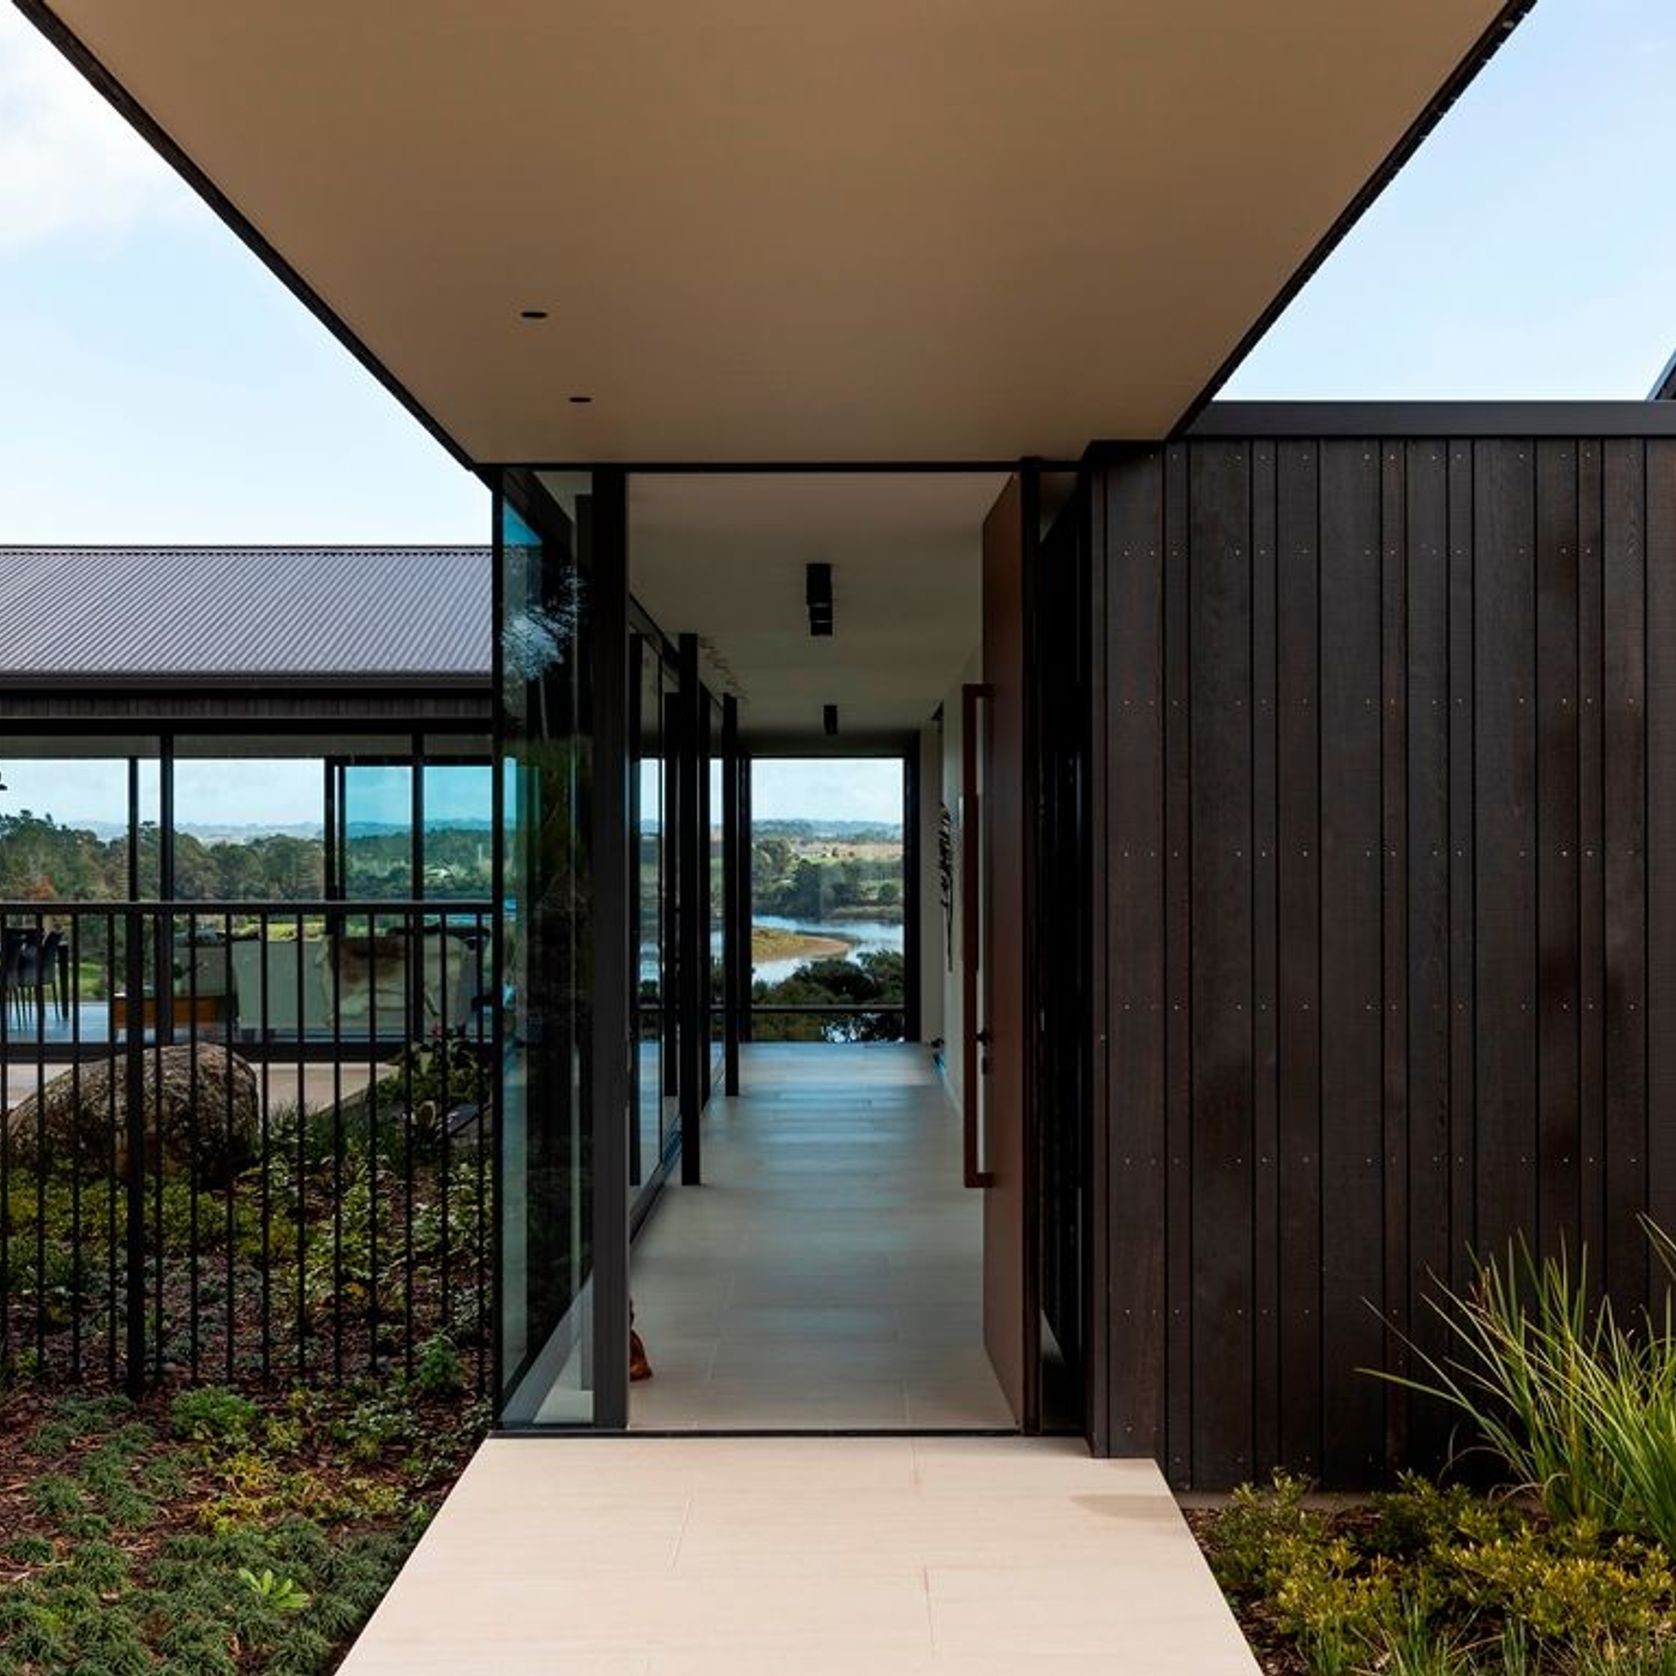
(213, 1414)
(282, 1593)
(437, 1371)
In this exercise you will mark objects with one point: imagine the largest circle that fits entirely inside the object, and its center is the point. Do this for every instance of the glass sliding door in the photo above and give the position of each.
(655, 1120)
(562, 760)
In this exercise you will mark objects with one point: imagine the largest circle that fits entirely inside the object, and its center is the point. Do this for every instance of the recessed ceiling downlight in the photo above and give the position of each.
(532, 314)
(580, 401)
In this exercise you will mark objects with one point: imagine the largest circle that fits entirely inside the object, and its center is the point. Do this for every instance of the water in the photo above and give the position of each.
(861, 935)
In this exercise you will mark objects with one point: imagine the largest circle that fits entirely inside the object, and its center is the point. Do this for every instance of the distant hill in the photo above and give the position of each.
(805, 831)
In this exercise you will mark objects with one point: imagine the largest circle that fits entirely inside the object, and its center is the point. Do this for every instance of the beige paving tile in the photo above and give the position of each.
(884, 1556)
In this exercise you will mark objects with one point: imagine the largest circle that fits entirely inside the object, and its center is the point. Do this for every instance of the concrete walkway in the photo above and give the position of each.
(689, 1556)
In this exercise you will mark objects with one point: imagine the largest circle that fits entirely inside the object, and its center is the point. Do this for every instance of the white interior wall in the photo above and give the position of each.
(953, 1030)
(933, 941)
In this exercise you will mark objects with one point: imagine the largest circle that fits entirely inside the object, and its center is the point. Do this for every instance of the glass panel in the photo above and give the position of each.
(646, 1142)
(546, 1131)
(73, 808)
(827, 934)
(718, 905)
(459, 831)
(672, 893)
(67, 825)
(249, 819)
(375, 827)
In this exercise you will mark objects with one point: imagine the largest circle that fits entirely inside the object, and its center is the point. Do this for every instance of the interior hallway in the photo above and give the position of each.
(828, 1275)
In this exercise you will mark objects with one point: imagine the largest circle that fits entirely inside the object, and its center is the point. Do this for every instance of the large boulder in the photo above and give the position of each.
(202, 1113)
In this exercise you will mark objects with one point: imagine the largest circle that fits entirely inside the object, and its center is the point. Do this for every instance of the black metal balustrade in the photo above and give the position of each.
(245, 1140)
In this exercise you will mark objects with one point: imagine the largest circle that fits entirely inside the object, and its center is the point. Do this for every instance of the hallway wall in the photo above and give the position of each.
(1386, 842)
(933, 942)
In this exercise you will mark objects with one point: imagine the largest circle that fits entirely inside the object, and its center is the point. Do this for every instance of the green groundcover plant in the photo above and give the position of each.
(215, 1532)
(1565, 1570)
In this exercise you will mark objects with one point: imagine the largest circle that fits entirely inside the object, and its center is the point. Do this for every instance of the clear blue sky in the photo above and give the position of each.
(160, 385)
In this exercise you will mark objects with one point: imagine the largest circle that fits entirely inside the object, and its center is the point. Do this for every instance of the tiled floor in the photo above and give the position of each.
(907, 1556)
(828, 1274)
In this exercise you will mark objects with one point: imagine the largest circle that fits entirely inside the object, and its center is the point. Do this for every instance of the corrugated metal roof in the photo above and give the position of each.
(237, 614)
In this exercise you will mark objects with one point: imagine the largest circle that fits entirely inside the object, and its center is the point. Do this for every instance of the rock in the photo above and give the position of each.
(73, 1116)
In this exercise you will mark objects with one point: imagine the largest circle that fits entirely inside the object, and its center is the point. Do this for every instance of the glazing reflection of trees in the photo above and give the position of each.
(873, 978)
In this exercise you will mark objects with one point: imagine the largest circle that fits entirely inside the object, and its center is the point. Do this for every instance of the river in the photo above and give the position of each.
(861, 935)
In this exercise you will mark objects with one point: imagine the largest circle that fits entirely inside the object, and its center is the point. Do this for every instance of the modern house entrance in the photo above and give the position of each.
(1317, 768)
(837, 1234)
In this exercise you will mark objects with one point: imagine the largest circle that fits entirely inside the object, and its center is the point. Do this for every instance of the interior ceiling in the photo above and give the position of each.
(862, 230)
(722, 556)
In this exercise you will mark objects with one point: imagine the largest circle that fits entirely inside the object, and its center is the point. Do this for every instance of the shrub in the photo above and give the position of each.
(213, 1414)
(1561, 1590)
(437, 1371)
(1258, 1535)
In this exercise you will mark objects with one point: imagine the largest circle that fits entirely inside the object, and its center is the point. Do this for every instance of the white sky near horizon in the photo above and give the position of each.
(1525, 252)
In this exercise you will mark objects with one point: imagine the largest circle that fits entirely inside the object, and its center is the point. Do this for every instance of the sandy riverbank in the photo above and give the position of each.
(771, 943)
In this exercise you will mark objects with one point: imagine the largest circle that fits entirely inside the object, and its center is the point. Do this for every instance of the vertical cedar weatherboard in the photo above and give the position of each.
(1298, 977)
(1425, 1019)
(1388, 791)
(1219, 703)
(1132, 771)
(1352, 1196)
(1625, 803)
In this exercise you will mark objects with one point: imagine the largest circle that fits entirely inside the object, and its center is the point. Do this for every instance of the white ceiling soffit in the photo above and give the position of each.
(862, 230)
(723, 556)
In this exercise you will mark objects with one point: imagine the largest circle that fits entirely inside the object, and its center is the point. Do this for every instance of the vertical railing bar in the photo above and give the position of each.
(76, 1125)
(264, 928)
(162, 1032)
(484, 1129)
(334, 939)
(228, 1139)
(443, 1106)
(302, 1160)
(134, 1113)
(111, 1181)
(40, 1144)
(192, 1178)
(372, 1142)
(413, 976)
(5, 1170)
(163, 981)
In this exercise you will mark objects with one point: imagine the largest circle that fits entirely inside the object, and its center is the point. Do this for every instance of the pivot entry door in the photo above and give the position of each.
(996, 823)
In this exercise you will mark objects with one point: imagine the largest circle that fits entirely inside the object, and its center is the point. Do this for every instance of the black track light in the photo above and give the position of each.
(830, 716)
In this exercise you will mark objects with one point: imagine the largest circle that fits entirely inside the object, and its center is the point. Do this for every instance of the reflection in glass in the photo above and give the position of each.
(547, 761)
(649, 826)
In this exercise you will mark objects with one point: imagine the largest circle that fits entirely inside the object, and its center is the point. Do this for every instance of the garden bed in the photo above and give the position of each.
(1429, 1582)
(211, 1532)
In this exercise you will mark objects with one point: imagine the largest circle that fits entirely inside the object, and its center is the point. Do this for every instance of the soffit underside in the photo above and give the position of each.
(957, 229)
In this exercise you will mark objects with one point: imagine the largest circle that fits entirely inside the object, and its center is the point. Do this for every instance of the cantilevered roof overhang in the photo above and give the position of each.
(865, 230)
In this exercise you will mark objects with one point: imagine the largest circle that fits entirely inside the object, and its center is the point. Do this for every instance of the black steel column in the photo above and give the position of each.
(731, 845)
(692, 930)
(611, 1040)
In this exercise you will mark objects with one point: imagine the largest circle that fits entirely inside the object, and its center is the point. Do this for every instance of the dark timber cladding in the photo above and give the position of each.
(1388, 818)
